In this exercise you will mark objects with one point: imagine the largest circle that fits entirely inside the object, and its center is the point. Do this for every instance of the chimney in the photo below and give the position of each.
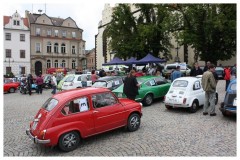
(26, 13)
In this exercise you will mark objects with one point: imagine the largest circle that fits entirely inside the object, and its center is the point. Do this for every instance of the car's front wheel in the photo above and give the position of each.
(69, 141)
(133, 122)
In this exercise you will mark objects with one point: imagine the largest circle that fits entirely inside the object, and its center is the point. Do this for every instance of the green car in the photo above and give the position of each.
(59, 86)
(151, 87)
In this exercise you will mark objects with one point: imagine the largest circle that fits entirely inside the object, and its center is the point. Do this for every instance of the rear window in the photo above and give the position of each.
(50, 104)
(180, 83)
(171, 67)
(100, 84)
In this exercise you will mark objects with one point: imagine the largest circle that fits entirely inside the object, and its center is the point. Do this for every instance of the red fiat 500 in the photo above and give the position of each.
(70, 115)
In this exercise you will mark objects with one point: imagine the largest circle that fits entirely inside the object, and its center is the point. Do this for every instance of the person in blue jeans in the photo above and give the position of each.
(176, 74)
(84, 80)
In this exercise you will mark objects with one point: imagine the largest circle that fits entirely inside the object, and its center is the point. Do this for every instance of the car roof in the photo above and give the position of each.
(65, 95)
(108, 78)
(190, 79)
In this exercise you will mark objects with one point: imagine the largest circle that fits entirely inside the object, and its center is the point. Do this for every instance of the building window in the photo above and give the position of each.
(37, 48)
(56, 33)
(56, 64)
(22, 53)
(8, 36)
(8, 70)
(49, 32)
(48, 63)
(49, 47)
(37, 31)
(63, 63)
(22, 37)
(56, 48)
(8, 53)
(23, 70)
(73, 64)
(73, 50)
(63, 48)
(73, 34)
(64, 34)
(16, 23)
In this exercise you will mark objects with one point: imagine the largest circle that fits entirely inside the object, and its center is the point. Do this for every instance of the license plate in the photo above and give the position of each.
(235, 102)
(173, 100)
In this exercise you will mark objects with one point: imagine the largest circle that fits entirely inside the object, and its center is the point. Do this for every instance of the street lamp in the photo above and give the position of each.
(177, 59)
(9, 61)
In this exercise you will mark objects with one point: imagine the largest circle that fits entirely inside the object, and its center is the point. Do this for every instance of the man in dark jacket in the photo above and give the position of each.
(196, 70)
(130, 88)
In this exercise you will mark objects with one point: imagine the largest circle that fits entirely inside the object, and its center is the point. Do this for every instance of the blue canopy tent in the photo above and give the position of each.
(130, 61)
(114, 61)
(150, 59)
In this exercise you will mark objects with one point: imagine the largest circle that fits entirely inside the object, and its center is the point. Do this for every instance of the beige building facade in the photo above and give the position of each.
(55, 43)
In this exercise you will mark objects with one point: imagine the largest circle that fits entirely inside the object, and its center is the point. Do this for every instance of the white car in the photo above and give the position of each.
(185, 92)
(74, 81)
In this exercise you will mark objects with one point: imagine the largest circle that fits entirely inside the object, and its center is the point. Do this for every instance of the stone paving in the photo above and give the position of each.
(163, 133)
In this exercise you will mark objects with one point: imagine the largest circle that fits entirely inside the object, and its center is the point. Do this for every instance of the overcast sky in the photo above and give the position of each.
(87, 15)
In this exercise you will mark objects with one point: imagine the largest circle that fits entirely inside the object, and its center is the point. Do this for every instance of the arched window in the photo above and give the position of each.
(56, 63)
(73, 64)
(63, 63)
(56, 48)
(48, 63)
(63, 48)
(49, 47)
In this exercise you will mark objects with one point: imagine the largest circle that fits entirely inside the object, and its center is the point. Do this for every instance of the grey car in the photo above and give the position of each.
(110, 82)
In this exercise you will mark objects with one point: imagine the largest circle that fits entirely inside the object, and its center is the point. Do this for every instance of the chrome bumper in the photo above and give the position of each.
(35, 139)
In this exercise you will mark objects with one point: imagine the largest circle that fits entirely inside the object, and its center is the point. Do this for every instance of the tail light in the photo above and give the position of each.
(71, 84)
(184, 100)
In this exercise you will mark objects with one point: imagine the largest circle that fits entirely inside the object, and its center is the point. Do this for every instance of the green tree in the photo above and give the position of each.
(210, 29)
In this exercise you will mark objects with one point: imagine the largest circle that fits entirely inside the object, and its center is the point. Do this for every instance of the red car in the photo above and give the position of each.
(10, 86)
(68, 116)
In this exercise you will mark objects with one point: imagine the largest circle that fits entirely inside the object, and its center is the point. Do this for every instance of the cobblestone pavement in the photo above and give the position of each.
(162, 132)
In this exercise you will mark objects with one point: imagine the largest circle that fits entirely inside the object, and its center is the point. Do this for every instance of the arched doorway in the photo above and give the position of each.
(38, 68)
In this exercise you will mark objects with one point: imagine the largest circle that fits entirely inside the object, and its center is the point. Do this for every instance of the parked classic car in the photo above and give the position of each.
(186, 92)
(74, 81)
(110, 82)
(68, 116)
(10, 86)
(229, 106)
(151, 87)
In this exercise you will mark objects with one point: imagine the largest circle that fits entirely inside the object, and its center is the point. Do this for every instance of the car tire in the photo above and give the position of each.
(133, 122)
(168, 107)
(12, 90)
(216, 99)
(69, 141)
(194, 106)
(148, 99)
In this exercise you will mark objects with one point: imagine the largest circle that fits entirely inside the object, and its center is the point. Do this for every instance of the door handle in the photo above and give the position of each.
(95, 111)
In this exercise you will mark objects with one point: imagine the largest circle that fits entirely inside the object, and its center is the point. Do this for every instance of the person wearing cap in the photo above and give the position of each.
(176, 74)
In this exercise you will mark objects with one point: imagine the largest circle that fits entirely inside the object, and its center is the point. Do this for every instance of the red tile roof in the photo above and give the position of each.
(6, 20)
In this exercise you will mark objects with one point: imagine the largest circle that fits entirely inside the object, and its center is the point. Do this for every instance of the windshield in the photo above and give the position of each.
(50, 104)
(180, 83)
(100, 84)
(69, 79)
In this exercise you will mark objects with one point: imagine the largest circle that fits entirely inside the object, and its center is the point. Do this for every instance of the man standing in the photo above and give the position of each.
(39, 82)
(54, 83)
(131, 86)
(196, 70)
(176, 74)
(207, 66)
(209, 86)
(227, 77)
(84, 80)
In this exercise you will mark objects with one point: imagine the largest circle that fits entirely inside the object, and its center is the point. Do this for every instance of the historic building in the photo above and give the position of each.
(91, 58)
(16, 51)
(55, 43)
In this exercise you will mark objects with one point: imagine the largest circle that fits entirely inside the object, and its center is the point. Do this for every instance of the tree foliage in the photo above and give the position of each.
(210, 29)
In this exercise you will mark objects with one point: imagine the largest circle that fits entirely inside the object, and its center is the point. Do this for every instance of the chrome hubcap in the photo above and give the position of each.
(69, 140)
(134, 122)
